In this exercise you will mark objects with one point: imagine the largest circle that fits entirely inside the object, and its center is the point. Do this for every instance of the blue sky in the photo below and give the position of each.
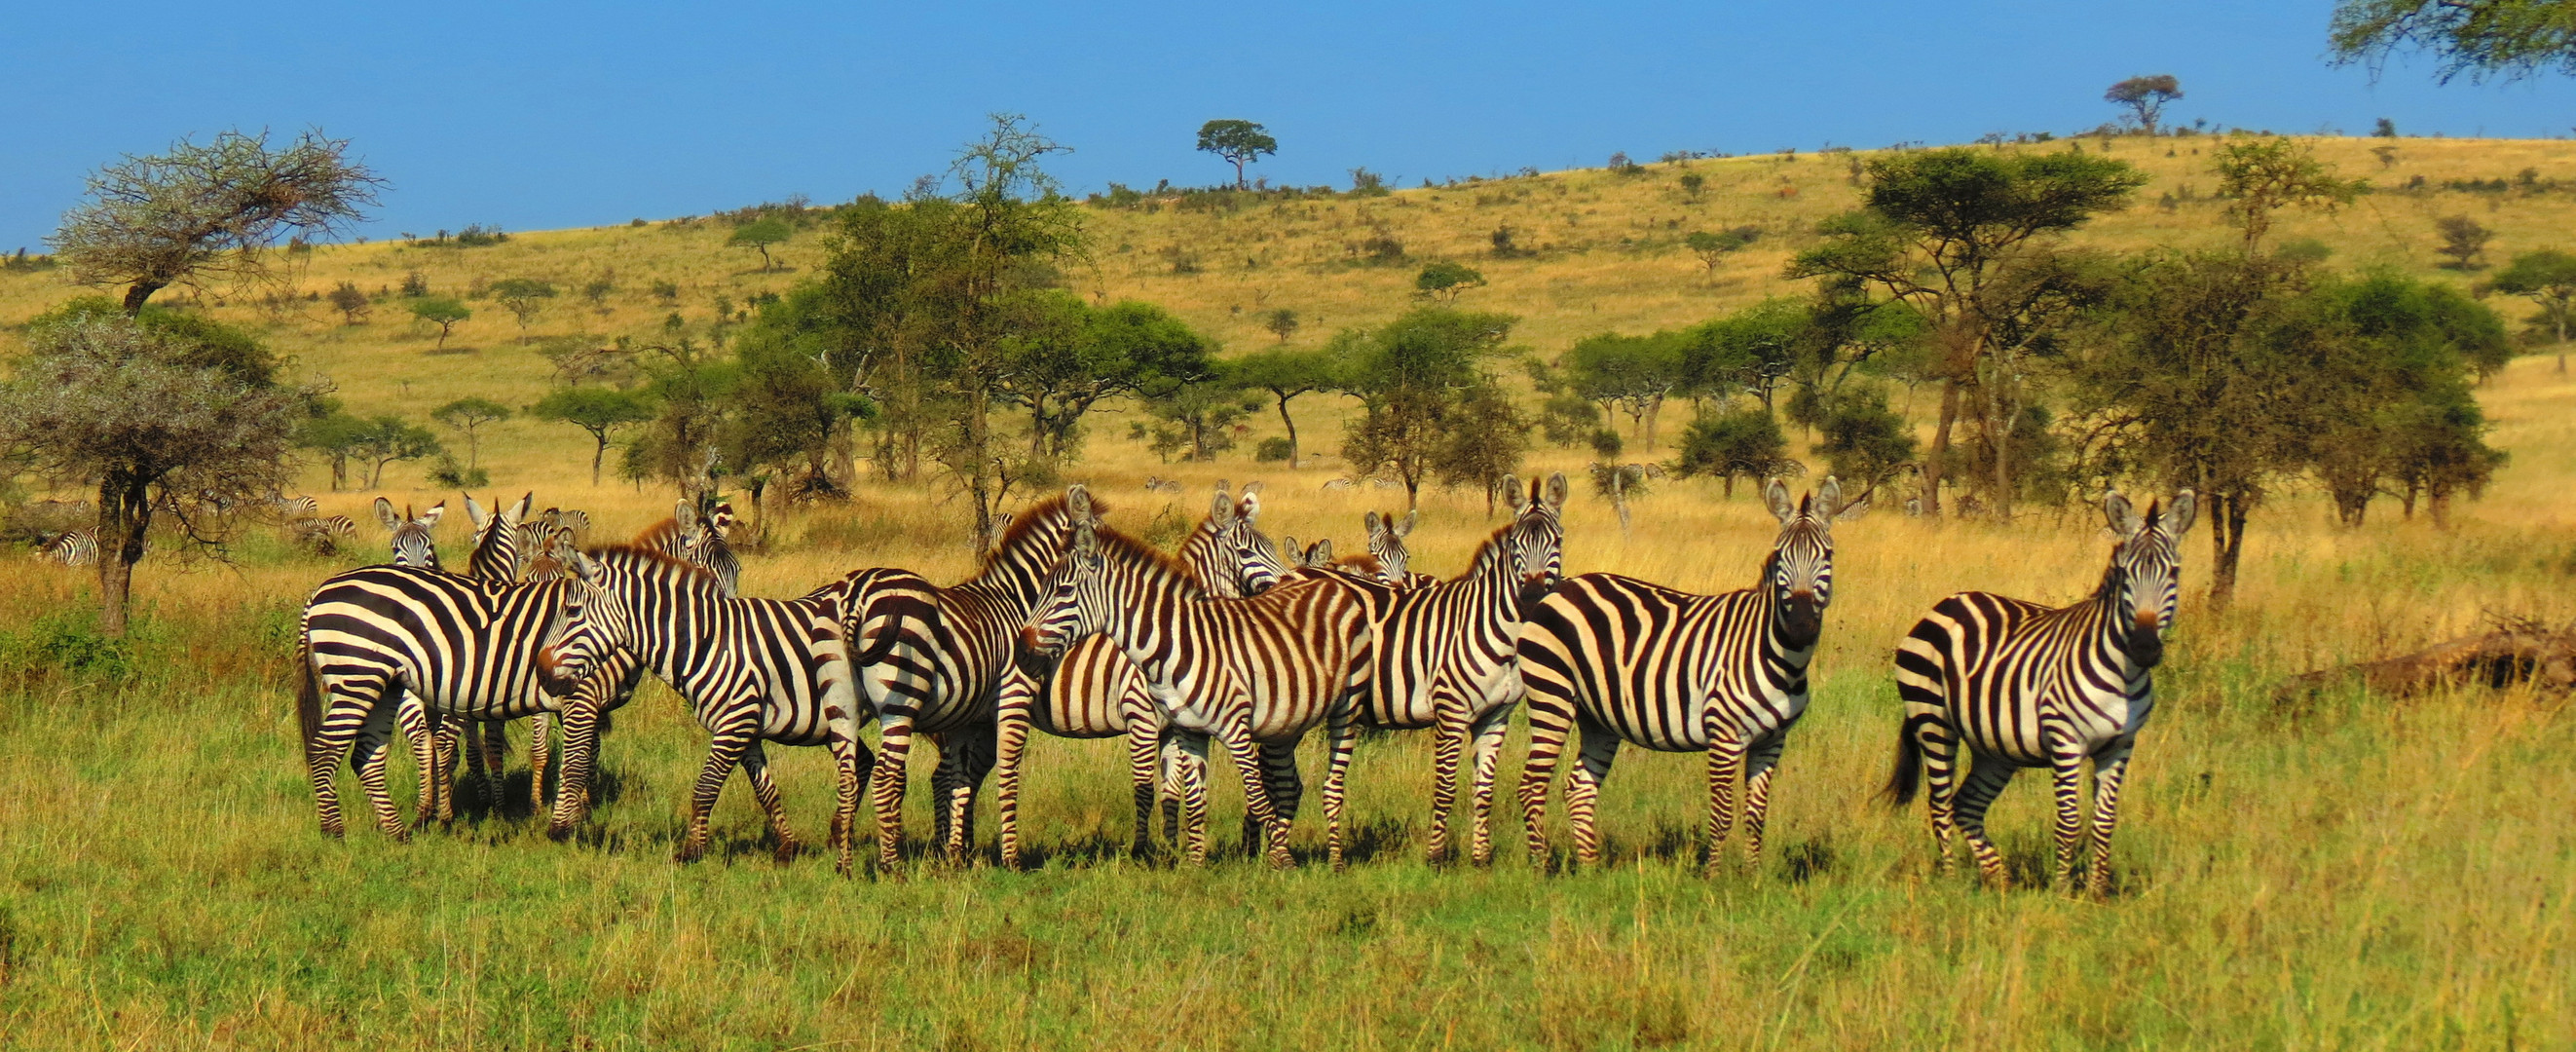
(566, 114)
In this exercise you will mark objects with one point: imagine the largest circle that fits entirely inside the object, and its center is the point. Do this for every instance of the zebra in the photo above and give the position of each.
(324, 535)
(1312, 556)
(1159, 484)
(1245, 671)
(2024, 685)
(74, 547)
(1394, 563)
(1336, 484)
(1676, 672)
(412, 543)
(492, 557)
(695, 538)
(753, 671)
(1093, 691)
(931, 660)
(1445, 655)
(294, 509)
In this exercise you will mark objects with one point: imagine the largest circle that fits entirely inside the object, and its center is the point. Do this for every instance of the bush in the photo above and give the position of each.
(448, 474)
(1273, 450)
(1746, 444)
(67, 640)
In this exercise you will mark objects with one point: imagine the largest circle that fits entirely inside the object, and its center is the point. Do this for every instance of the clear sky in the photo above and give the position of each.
(536, 115)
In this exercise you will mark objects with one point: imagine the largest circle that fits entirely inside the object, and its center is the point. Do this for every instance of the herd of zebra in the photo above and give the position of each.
(300, 517)
(1076, 629)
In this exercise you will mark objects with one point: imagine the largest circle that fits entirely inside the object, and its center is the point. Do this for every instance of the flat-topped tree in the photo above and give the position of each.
(525, 298)
(469, 415)
(2548, 278)
(759, 235)
(1285, 374)
(201, 211)
(1238, 142)
(441, 311)
(2145, 97)
(598, 410)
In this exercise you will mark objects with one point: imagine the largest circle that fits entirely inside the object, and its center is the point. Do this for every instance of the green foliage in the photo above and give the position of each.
(389, 439)
(1238, 142)
(1067, 356)
(1712, 247)
(352, 304)
(1413, 376)
(441, 311)
(523, 297)
(1487, 440)
(2145, 97)
(2547, 277)
(2263, 176)
(414, 284)
(1281, 323)
(1274, 450)
(1692, 183)
(448, 474)
(1744, 443)
(1630, 374)
(1606, 444)
(1748, 352)
(1287, 374)
(1865, 443)
(759, 235)
(1365, 183)
(63, 641)
(1445, 279)
(2481, 38)
(2463, 239)
(597, 410)
(468, 415)
(1204, 414)
(336, 435)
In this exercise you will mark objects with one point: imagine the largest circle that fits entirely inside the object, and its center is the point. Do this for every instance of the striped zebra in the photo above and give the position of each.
(1093, 691)
(1668, 670)
(1334, 485)
(1445, 655)
(2025, 685)
(74, 547)
(492, 556)
(753, 671)
(931, 660)
(1312, 556)
(325, 535)
(412, 543)
(1247, 672)
(1386, 534)
(293, 509)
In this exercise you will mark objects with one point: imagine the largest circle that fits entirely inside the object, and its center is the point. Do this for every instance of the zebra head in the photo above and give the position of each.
(1313, 555)
(496, 538)
(589, 622)
(1067, 607)
(412, 543)
(1535, 541)
(2146, 566)
(1255, 564)
(1386, 543)
(1800, 572)
(551, 558)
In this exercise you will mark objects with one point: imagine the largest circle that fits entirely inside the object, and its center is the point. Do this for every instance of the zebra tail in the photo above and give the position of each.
(1908, 774)
(308, 699)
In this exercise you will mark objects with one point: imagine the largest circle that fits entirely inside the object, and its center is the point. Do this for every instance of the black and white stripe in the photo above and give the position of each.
(1668, 670)
(753, 671)
(74, 547)
(413, 545)
(2024, 685)
(1247, 672)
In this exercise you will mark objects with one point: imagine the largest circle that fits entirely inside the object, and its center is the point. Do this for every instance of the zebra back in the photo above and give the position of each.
(411, 541)
(74, 547)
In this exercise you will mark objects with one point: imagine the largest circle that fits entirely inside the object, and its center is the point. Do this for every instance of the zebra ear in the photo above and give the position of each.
(474, 513)
(1512, 492)
(519, 513)
(2119, 516)
(1776, 494)
(1221, 506)
(1405, 528)
(1320, 553)
(685, 513)
(430, 518)
(1249, 507)
(1557, 489)
(1372, 523)
(1829, 499)
(1077, 503)
(2179, 514)
(385, 514)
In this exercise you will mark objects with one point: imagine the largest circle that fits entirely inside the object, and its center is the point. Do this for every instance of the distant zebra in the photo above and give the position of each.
(294, 509)
(1382, 483)
(1159, 484)
(1247, 672)
(1093, 691)
(753, 671)
(1444, 657)
(74, 547)
(574, 519)
(1332, 485)
(1677, 672)
(325, 535)
(412, 543)
(2024, 685)
(1318, 554)
(930, 660)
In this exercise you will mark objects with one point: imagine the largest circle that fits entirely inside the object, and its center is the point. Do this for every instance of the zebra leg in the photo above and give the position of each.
(975, 747)
(322, 760)
(2066, 785)
(1279, 775)
(1986, 780)
(1448, 743)
(1010, 737)
(850, 762)
(1341, 735)
(1189, 774)
(755, 769)
(496, 754)
(1237, 734)
(885, 785)
(943, 776)
(1182, 765)
(580, 749)
(1583, 790)
(1940, 745)
(726, 749)
(541, 728)
(2109, 769)
(368, 753)
(430, 749)
(1725, 765)
(1758, 767)
(1551, 715)
(1488, 730)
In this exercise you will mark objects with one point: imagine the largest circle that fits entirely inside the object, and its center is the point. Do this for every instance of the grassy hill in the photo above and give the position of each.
(2356, 870)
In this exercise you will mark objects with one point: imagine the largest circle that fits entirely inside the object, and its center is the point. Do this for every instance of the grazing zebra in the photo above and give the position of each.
(1677, 672)
(2024, 685)
(931, 660)
(1247, 672)
(753, 671)
(325, 535)
(1445, 655)
(1334, 484)
(294, 509)
(412, 543)
(74, 547)
(1159, 484)
(1095, 692)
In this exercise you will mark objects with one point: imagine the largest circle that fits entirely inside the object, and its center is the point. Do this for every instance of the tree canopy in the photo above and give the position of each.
(2476, 38)
(2546, 277)
(2145, 97)
(1238, 142)
(597, 410)
(759, 235)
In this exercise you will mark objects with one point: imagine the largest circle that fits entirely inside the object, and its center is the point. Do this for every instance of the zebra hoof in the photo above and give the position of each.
(559, 831)
(689, 852)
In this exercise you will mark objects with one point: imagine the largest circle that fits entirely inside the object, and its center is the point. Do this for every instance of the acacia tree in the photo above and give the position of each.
(201, 211)
(1445, 280)
(1629, 374)
(1286, 374)
(468, 415)
(759, 235)
(523, 297)
(2145, 97)
(1954, 233)
(1712, 248)
(597, 410)
(1068, 356)
(2480, 38)
(167, 415)
(388, 439)
(2548, 278)
(1238, 142)
(2264, 176)
(441, 311)
(1412, 376)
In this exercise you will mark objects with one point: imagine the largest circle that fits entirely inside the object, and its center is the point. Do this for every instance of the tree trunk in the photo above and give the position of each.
(1654, 411)
(1932, 464)
(135, 295)
(124, 513)
(598, 454)
(2227, 534)
(1284, 418)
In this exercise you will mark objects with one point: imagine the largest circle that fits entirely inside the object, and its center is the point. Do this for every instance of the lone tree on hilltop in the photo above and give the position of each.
(1282, 323)
(170, 415)
(207, 211)
(2548, 278)
(2482, 38)
(441, 311)
(759, 236)
(1713, 248)
(523, 297)
(598, 410)
(1238, 142)
(469, 415)
(2145, 97)
(2462, 239)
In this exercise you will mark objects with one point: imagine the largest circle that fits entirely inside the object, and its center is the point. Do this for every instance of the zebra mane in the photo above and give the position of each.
(636, 552)
(1131, 550)
(1030, 518)
(1359, 562)
(661, 534)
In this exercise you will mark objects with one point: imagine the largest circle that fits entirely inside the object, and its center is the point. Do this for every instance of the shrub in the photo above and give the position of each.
(1273, 450)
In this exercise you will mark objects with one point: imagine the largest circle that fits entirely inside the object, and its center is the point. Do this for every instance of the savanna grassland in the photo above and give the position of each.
(2346, 871)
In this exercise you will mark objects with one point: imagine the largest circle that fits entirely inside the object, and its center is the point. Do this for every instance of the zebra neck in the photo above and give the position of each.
(1148, 606)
